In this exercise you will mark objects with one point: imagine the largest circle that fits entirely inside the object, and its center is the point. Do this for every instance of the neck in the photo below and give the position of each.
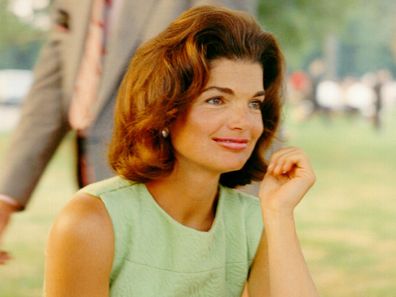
(189, 197)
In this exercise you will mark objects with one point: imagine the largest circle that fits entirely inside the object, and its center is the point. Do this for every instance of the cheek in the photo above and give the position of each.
(188, 133)
(258, 127)
(204, 123)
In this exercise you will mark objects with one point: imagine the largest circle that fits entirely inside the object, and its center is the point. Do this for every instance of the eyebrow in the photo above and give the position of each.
(229, 91)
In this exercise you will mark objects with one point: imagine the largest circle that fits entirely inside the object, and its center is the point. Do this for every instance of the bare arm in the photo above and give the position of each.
(279, 268)
(80, 250)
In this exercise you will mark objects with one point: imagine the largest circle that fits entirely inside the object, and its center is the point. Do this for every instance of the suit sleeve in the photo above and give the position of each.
(41, 128)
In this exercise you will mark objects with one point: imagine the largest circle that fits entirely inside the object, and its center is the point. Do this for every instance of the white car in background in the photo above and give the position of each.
(14, 84)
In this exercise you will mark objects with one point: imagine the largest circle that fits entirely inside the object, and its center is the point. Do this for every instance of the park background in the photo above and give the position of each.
(346, 223)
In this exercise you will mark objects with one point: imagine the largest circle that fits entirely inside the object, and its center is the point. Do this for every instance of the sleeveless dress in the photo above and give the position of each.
(156, 256)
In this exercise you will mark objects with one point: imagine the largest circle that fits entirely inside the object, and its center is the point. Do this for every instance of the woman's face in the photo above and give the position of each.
(220, 130)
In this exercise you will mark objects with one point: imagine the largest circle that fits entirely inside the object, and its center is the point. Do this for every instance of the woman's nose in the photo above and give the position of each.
(238, 117)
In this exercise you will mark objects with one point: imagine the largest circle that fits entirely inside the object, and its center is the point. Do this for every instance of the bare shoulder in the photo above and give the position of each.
(84, 217)
(80, 249)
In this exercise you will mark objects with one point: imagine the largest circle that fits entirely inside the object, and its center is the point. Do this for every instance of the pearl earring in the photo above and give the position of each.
(165, 132)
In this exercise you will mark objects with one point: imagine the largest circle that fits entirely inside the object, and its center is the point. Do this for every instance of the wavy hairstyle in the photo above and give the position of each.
(169, 71)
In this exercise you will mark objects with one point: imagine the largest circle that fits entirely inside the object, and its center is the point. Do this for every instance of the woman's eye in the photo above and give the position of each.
(255, 104)
(215, 101)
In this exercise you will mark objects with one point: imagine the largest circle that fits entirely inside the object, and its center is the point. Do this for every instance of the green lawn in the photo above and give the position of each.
(347, 223)
(28, 232)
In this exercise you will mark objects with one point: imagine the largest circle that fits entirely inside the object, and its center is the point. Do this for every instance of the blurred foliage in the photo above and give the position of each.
(368, 41)
(301, 26)
(365, 31)
(19, 41)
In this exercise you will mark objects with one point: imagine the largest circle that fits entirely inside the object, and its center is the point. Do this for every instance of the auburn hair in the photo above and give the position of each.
(169, 71)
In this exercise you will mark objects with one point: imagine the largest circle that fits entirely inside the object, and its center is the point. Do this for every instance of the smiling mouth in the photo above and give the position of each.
(232, 143)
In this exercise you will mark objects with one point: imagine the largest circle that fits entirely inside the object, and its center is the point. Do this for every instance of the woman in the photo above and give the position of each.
(196, 110)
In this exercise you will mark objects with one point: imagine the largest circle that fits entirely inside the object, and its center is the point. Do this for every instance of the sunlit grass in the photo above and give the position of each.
(28, 232)
(347, 221)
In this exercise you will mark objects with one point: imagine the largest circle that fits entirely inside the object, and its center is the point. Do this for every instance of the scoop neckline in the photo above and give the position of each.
(181, 226)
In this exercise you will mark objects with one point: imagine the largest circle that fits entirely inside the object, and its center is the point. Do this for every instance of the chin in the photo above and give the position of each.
(233, 167)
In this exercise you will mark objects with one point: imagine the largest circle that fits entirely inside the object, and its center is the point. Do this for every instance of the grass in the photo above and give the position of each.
(346, 223)
(28, 232)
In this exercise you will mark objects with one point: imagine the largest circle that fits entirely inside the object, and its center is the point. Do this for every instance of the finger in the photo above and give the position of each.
(287, 166)
(289, 161)
(298, 166)
(278, 160)
(274, 160)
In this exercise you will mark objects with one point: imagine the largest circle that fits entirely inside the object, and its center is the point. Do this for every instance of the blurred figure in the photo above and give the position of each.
(299, 84)
(298, 91)
(316, 71)
(389, 98)
(360, 96)
(382, 78)
(75, 82)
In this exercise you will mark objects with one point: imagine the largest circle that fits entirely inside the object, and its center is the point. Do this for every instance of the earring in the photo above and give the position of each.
(165, 132)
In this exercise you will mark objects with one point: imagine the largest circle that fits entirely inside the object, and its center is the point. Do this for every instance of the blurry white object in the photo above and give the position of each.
(9, 116)
(14, 84)
(329, 95)
(361, 97)
(31, 12)
(26, 8)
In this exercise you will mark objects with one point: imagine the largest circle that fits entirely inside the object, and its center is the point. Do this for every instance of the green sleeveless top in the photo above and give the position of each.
(155, 256)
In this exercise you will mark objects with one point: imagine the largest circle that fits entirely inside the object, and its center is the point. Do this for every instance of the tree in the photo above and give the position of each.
(19, 41)
(302, 25)
(369, 39)
(363, 30)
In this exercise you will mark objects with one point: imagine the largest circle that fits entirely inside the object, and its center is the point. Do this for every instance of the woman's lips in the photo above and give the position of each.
(232, 143)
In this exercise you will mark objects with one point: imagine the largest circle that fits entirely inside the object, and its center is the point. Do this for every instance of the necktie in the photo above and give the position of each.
(90, 72)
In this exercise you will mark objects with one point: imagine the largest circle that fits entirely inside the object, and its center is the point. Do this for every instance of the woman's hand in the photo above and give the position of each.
(289, 176)
(279, 268)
